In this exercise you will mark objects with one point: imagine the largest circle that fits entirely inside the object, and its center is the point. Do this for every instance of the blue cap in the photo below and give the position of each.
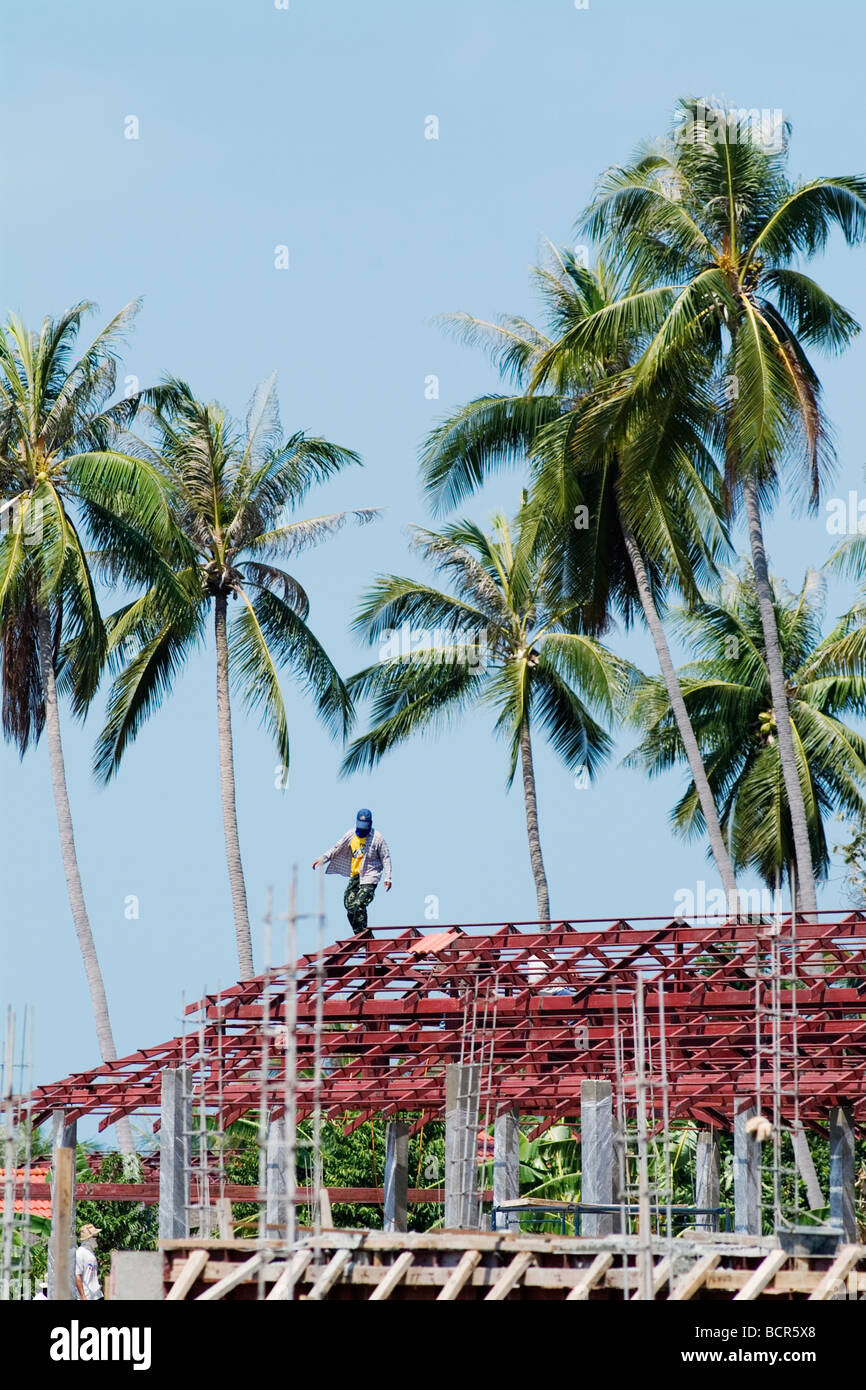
(364, 818)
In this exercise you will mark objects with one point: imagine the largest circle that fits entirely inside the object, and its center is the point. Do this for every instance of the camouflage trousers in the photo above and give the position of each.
(355, 901)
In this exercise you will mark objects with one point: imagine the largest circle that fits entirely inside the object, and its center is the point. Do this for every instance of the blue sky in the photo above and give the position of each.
(305, 127)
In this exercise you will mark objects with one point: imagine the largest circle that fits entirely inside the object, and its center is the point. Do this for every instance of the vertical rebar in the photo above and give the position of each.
(666, 1112)
(795, 1046)
(621, 1135)
(317, 1057)
(262, 1231)
(25, 1087)
(483, 1170)
(644, 1273)
(205, 1228)
(291, 1066)
(10, 1159)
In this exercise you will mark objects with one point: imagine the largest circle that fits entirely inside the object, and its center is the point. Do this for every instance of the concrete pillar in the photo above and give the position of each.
(506, 1167)
(598, 1155)
(707, 1178)
(842, 1213)
(174, 1136)
(806, 1168)
(462, 1090)
(136, 1276)
(63, 1242)
(396, 1176)
(747, 1173)
(276, 1182)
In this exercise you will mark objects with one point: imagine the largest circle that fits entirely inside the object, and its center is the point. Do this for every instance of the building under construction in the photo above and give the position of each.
(621, 1029)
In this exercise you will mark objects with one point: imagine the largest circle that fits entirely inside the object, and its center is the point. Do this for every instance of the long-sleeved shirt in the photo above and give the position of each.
(375, 864)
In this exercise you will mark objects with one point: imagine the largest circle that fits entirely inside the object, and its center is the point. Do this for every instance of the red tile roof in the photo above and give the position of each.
(40, 1208)
(429, 945)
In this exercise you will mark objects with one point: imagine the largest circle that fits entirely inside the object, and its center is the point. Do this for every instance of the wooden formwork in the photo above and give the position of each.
(451, 1265)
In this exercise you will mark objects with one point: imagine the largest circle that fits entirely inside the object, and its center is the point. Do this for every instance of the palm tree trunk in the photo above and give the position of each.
(227, 787)
(792, 883)
(531, 805)
(796, 805)
(684, 724)
(95, 983)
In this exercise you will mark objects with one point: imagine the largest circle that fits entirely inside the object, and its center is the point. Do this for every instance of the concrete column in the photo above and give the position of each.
(136, 1276)
(598, 1155)
(506, 1167)
(707, 1178)
(63, 1242)
(747, 1173)
(842, 1212)
(806, 1168)
(276, 1182)
(174, 1132)
(396, 1176)
(462, 1089)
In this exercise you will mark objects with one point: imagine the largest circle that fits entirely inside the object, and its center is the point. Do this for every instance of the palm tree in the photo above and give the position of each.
(728, 696)
(622, 536)
(502, 638)
(232, 493)
(60, 480)
(709, 229)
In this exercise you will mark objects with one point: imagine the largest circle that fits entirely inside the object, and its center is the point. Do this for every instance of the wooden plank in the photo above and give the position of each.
(588, 1278)
(844, 1262)
(239, 1275)
(760, 1278)
(183, 1244)
(786, 1281)
(325, 1207)
(291, 1274)
(688, 1286)
(62, 1239)
(511, 1275)
(527, 1203)
(329, 1275)
(458, 1276)
(661, 1274)
(191, 1269)
(225, 1218)
(148, 1192)
(392, 1276)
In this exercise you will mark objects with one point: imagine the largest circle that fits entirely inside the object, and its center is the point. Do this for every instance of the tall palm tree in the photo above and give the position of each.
(728, 696)
(502, 638)
(233, 491)
(622, 536)
(709, 231)
(60, 481)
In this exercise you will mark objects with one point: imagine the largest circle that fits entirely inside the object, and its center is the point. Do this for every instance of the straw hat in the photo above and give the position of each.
(88, 1232)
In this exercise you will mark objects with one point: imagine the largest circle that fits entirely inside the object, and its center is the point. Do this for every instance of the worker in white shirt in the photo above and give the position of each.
(86, 1271)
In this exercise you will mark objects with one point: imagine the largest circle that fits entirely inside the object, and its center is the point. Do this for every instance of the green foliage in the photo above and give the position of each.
(502, 638)
(122, 1225)
(727, 695)
(232, 492)
(593, 454)
(550, 1168)
(853, 854)
(76, 490)
(354, 1160)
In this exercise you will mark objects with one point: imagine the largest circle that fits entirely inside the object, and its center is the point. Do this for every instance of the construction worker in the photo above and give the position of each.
(362, 856)
(86, 1273)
